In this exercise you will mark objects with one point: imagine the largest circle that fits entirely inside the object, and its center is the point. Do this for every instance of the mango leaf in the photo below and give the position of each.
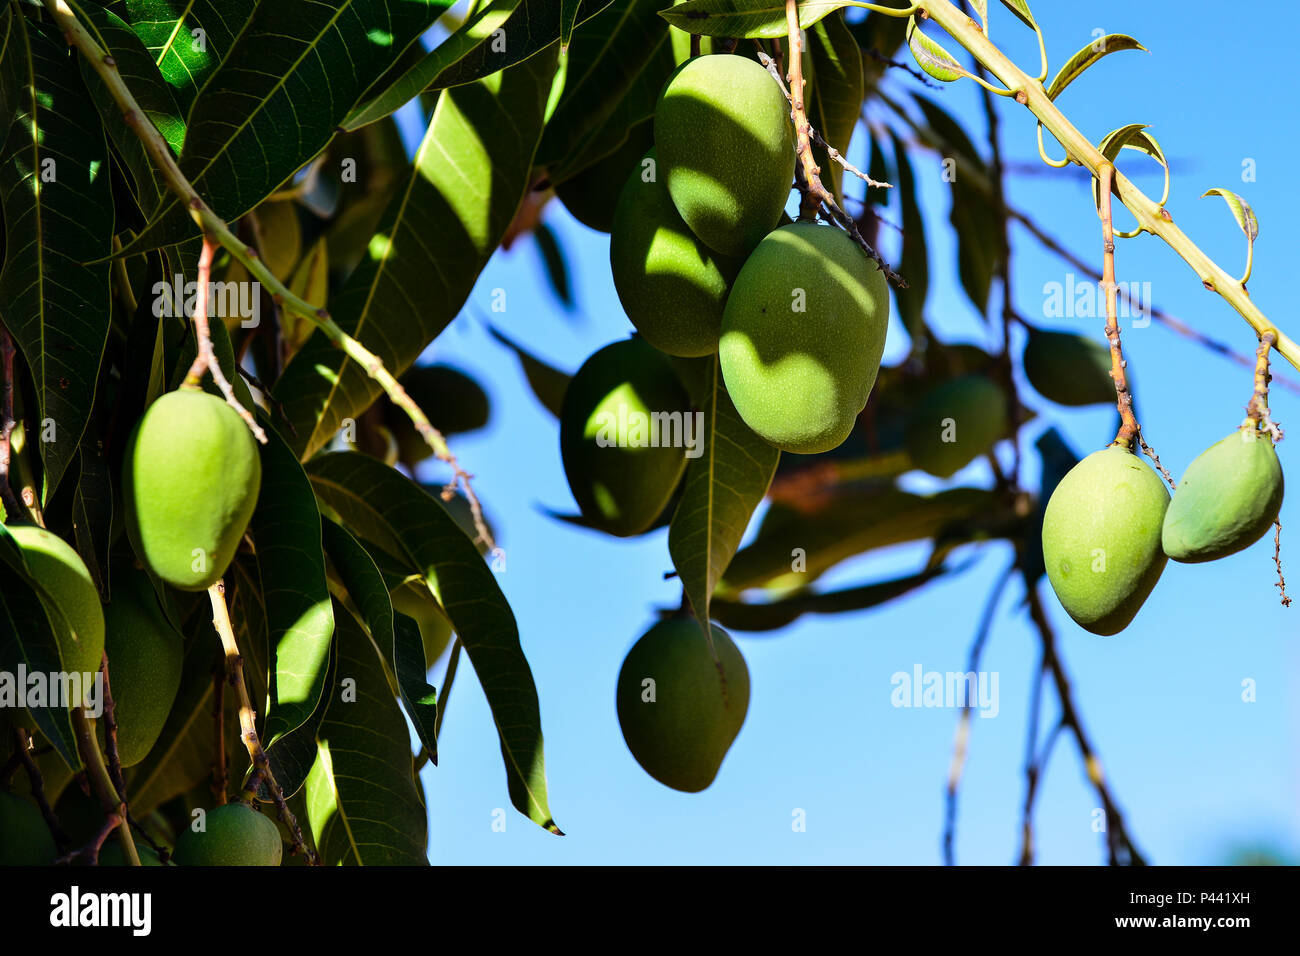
(1021, 9)
(58, 213)
(746, 18)
(189, 46)
(568, 17)
(836, 99)
(557, 271)
(773, 615)
(157, 100)
(723, 487)
(1073, 69)
(27, 640)
(469, 176)
(92, 510)
(293, 755)
(286, 530)
(932, 57)
(282, 72)
(914, 263)
(1133, 136)
(1241, 212)
(380, 504)
(794, 546)
(363, 804)
(397, 637)
(618, 63)
(496, 35)
(548, 383)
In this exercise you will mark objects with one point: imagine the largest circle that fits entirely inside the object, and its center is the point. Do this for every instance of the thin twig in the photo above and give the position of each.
(895, 64)
(115, 809)
(36, 783)
(1035, 766)
(1277, 560)
(1128, 429)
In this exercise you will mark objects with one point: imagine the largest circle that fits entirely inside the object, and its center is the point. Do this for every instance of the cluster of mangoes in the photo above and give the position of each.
(1110, 526)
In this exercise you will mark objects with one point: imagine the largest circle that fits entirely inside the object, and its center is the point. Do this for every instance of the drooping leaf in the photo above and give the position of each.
(914, 263)
(286, 530)
(58, 212)
(469, 176)
(548, 383)
(773, 615)
(1241, 211)
(931, 56)
(283, 73)
(363, 804)
(745, 18)
(723, 487)
(381, 505)
(496, 35)
(1132, 136)
(1075, 66)
(836, 100)
(1021, 9)
(557, 272)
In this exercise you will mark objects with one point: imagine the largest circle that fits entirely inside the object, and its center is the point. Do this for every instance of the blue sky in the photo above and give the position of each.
(1197, 771)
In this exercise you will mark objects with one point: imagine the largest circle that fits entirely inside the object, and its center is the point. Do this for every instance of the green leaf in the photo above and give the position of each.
(363, 804)
(557, 272)
(837, 91)
(299, 64)
(27, 640)
(1241, 212)
(932, 57)
(58, 213)
(189, 46)
(746, 18)
(92, 509)
(380, 504)
(286, 530)
(1021, 9)
(772, 615)
(401, 644)
(1073, 69)
(914, 263)
(1133, 136)
(495, 36)
(469, 176)
(568, 17)
(723, 487)
(548, 383)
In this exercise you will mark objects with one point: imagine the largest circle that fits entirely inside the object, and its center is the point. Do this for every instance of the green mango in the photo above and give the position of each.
(591, 195)
(673, 287)
(25, 840)
(1101, 538)
(1069, 369)
(112, 854)
(235, 835)
(954, 423)
(77, 616)
(619, 479)
(726, 148)
(145, 655)
(802, 336)
(1228, 498)
(680, 727)
(190, 481)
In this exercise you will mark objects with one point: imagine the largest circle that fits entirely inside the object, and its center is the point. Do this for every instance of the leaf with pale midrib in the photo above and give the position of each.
(745, 18)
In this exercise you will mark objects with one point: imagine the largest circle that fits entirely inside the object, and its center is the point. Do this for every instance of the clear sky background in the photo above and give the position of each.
(1198, 772)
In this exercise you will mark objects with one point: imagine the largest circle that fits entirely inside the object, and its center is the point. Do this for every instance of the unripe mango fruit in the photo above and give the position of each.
(954, 423)
(726, 148)
(679, 711)
(25, 840)
(190, 482)
(1228, 498)
(1101, 538)
(802, 336)
(76, 617)
(673, 287)
(145, 655)
(235, 835)
(591, 195)
(1069, 369)
(112, 854)
(619, 479)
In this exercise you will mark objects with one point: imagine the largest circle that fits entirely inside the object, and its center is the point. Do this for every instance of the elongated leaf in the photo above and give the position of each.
(300, 65)
(770, 616)
(1021, 9)
(401, 645)
(932, 57)
(58, 212)
(914, 262)
(186, 40)
(1133, 136)
(92, 510)
(363, 805)
(1241, 212)
(548, 383)
(286, 530)
(745, 18)
(568, 17)
(1073, 69)
(469, 176)
(723, 487)
(557, 270)
(380, 504)
(837, 93)
(497, 35)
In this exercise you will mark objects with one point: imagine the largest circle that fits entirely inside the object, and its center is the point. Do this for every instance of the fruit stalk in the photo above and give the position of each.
(102, 783)
(1151, 216)
(1257, 411)
(248, 721)
(1129, 428)
(212, 225)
